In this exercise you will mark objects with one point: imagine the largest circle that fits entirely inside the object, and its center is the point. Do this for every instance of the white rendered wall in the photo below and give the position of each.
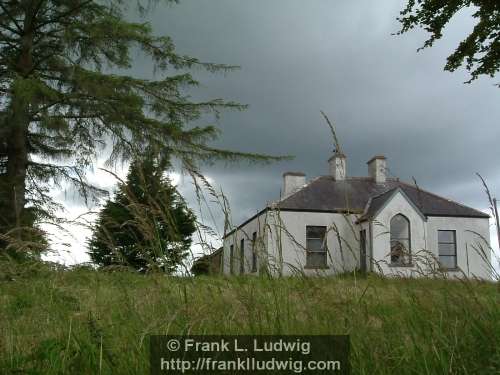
(246, 232)
(424, 242)
(381, 237)
(282, 241)
(287, 241)
(473, 247)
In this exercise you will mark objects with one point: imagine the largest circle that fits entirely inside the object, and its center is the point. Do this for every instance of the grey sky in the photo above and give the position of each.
(299, 57)
(339, 56)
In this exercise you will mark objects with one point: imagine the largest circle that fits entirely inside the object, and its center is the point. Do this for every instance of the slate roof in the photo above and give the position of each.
(361, 195)
(355, 194)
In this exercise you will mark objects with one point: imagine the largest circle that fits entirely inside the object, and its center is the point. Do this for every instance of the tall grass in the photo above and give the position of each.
(83, 321)
(55, 320)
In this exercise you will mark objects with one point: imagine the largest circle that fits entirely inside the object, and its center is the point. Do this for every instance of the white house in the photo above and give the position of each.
(335, 223)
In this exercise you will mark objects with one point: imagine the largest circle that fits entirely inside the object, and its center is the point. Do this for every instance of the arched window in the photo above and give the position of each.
(400, 240)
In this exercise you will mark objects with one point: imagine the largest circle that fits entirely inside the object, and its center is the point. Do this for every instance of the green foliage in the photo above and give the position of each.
(147, 224)
(60, 105)
(396, 326)
(201, 266)
(480, 51)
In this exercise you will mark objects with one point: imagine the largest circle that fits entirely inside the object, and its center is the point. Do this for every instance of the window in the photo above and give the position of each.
(362, 251)
(231, 259)
(447, 248)
(254, 252)
(315, 247)
(242, 256)
(400, 241)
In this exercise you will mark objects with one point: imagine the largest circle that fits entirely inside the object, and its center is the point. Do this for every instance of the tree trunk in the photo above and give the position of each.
(15, 136)
(16, 167)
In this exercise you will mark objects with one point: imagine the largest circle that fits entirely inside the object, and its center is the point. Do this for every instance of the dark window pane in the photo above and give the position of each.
(242, 256)
(315, 245)
(447, 261)
(400, 227)
(400, 251)
(254, 252)
(315, 232)
(400, 240)
(447, 249)
(400, 245)
(231, 259)
(316, 260)
(446, 236)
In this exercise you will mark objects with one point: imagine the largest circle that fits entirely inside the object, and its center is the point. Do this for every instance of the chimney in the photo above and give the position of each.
(293, 181)
(338, 166)
(377, 168)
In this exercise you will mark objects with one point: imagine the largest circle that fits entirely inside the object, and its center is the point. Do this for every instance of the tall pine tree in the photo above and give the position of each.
(58, 107)
(147, 225)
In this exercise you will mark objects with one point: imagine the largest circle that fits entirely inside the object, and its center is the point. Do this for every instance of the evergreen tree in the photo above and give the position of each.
(147, 224)
(59, 108)
(479, 51)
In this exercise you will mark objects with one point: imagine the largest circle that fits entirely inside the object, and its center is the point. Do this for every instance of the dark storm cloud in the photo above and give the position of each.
(298, 58)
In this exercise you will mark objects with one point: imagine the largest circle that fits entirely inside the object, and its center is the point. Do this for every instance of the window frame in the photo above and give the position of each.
(363, 264)
(324, 242)
(402, 263)
(231, 259)
(254, 252)
(455, 256)
(242, 256)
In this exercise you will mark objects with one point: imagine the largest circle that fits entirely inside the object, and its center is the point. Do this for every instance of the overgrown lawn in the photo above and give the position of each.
(88, 322)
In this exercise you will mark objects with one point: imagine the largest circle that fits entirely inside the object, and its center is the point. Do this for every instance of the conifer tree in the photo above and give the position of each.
(147, 225)
(60, 105)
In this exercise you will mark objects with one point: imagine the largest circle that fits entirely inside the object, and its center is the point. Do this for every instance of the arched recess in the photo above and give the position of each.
(400, 240)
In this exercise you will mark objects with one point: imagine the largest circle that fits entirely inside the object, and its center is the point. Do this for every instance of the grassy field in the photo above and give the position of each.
(87, 322)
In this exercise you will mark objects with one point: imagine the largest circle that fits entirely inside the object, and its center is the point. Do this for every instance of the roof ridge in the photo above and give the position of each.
(363, 178)
(348, 177)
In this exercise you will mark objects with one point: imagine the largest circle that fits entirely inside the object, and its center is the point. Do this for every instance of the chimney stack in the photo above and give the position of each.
(293, 181)
(337, 164)
(377, 168)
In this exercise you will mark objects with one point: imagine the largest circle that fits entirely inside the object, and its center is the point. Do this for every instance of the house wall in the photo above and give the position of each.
(245, 232)
(286, 240)
(282, 241)
(424, 242)
(381, 237)
(473, 248)
(215, 263)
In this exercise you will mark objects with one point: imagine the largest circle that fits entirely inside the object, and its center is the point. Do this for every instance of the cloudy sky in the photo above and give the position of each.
(298, 58)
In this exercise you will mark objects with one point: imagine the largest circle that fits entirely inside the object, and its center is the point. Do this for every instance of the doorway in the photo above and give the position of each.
(362, 251)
